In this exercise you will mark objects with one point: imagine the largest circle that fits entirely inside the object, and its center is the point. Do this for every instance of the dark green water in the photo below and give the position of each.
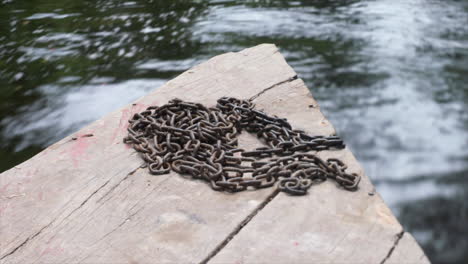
(391, 75)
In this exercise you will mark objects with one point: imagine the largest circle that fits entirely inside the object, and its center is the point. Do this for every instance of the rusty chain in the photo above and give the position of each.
(194, 140)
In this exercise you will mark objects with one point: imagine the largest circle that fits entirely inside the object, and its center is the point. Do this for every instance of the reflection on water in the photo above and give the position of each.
(391, 75)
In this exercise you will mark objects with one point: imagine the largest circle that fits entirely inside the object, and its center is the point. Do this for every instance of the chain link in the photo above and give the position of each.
(192, 139)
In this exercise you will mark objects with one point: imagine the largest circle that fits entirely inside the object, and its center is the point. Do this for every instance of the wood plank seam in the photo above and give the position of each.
(270, 198)
(386, 255)
(245, 221)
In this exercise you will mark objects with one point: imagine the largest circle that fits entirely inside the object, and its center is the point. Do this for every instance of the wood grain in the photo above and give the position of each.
(86, 200)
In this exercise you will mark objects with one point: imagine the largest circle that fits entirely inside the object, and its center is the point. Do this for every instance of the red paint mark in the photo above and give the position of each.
(127, 113)
(3, 208)
(123, 123)
(29, 175)
(78, 149)
(11, 189)
(296, 244)
(54, 250)
(4, 188)
(40, 195)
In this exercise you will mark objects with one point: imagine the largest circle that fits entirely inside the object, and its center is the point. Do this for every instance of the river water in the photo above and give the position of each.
(391, 75)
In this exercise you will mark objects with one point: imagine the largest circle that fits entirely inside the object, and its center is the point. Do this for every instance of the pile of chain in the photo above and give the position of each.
(194, 140)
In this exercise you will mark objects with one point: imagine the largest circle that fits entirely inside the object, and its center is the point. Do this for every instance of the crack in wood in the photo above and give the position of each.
(86, 200)
(262, 205)
(280, 77)
(271, 87)
(239, 227)
(195, 68)
(117, 185)
(128, 218)
(224, 243)
(74, 210)
(399, 236)
(26, 241)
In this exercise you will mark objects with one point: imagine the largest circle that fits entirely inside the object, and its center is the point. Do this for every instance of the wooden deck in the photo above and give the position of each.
(88, 201)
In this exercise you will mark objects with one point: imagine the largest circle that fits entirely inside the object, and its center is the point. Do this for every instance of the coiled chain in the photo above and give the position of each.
(194, 140)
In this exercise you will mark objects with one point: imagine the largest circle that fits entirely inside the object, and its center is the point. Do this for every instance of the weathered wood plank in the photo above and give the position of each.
(87, 200)
(328, 225)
